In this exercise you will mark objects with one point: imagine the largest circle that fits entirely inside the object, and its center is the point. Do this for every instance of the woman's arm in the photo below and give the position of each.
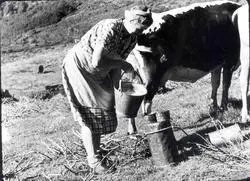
(102, 59)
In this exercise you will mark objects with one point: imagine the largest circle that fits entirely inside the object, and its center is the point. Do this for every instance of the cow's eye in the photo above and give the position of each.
(151, 37)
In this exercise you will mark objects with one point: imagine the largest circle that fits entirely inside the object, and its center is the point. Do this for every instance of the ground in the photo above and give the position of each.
(43, 144)
(43, 141)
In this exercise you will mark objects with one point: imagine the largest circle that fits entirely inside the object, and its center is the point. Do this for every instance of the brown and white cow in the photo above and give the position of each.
(187, 43)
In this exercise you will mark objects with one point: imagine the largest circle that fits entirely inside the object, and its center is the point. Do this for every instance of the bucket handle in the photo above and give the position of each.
(134, 74)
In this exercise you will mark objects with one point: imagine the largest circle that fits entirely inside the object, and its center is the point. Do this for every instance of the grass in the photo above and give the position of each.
(23, 30)
(43, 145)
(54, 23)
(38, 126)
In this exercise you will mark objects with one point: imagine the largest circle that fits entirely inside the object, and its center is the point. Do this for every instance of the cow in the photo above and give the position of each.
(241, 19)
(185, 44)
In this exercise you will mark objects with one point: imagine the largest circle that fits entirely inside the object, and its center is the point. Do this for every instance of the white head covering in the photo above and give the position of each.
(139, 17)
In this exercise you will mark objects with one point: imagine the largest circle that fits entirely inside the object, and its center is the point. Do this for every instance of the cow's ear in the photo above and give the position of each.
(169, 19)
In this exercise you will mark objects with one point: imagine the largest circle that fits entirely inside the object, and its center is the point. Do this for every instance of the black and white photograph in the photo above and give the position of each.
(125, 90)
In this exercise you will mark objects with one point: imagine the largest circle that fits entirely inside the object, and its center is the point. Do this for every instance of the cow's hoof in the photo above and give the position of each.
(132, 133)
(245, 118)
(223, 108)
(131, 126)
(132, 130)
(214, 111)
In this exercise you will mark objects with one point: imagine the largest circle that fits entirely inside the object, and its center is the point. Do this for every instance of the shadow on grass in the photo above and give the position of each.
(244, 179)
(164, 90)
(49, 92)
(237, 103)
(204, 119)
(190, 145)
(46, 72)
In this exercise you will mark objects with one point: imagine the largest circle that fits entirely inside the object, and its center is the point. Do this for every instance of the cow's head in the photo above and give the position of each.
(156, 43)
(151, 53)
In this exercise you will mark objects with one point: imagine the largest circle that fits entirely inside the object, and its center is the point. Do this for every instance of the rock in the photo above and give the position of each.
(7, 97)
(55, 89)
(5, 93)
(40, 69)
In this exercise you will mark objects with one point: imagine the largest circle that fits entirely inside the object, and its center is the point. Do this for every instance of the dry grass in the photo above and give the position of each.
(44, 147)
(20, 71)
(46, 143)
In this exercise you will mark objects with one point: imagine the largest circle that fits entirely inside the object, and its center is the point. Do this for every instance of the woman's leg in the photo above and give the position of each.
(96, 142)
(88, 142)
(91, 143)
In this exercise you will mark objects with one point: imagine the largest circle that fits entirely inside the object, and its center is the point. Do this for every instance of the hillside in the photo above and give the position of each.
(28, 24)
(41, 139)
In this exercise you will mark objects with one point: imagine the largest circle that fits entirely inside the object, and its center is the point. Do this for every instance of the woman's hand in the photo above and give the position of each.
(102, 59)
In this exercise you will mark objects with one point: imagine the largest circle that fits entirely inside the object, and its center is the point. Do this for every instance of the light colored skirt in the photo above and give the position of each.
(92, 102)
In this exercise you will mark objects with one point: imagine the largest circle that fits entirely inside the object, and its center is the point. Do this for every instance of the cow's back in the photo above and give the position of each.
(201, 36)
(188, 43)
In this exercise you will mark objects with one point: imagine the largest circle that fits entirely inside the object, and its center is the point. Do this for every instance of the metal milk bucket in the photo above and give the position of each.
(131, 95)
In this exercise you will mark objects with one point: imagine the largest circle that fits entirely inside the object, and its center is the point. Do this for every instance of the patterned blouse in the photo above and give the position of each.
(114, 37)
(112, 34)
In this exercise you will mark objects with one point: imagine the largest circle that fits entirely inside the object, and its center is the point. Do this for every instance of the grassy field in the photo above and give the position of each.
(44, 144)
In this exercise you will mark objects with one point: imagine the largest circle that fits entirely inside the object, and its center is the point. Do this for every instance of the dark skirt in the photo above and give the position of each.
(100, 121)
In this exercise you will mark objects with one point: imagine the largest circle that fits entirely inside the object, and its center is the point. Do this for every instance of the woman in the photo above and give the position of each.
(90, 71)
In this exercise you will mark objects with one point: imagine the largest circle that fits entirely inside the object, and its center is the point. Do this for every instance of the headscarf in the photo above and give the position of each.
(139, 16)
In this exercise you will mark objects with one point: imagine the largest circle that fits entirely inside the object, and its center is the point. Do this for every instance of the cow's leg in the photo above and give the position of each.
(244, 81)
(244, 28)
(146, 107)
(227, 77)
(215, 81)
(131, 126)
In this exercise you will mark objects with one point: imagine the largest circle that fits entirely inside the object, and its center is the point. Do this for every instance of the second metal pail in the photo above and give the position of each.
(229, 135)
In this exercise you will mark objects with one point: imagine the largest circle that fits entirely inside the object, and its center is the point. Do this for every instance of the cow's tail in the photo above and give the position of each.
(235, 18)
(235, 21)
(242, 23)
